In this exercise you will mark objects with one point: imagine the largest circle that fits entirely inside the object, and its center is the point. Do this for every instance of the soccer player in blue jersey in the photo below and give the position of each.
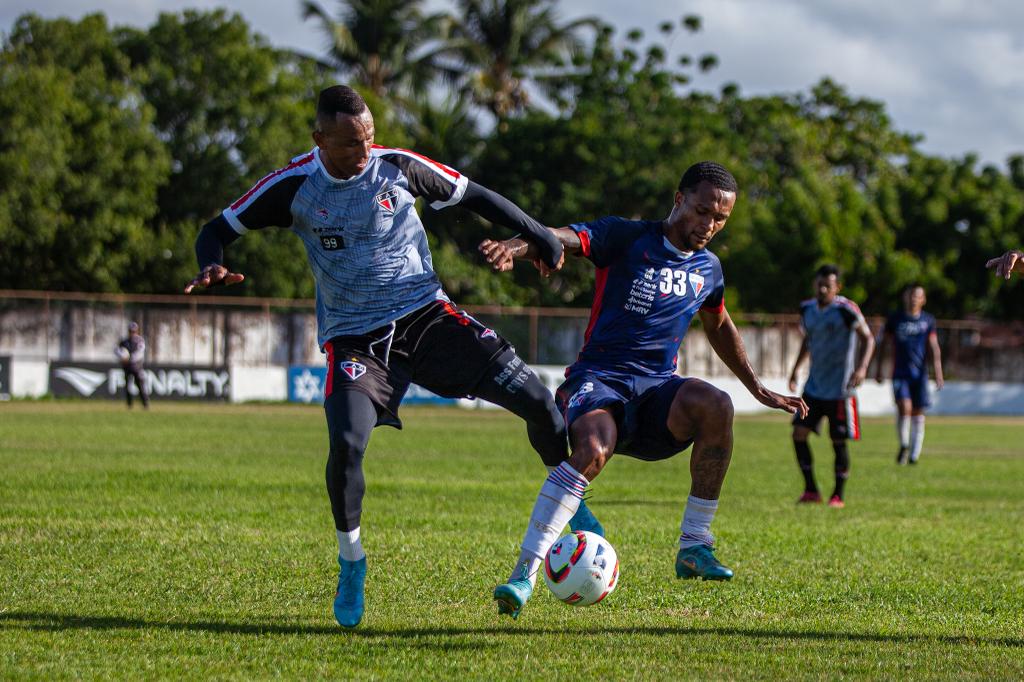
(912, 332)
(831, 325)
(383, 319)
(622, 394)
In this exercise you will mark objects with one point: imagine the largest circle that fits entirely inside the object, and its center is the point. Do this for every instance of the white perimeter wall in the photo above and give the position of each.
(29, 379)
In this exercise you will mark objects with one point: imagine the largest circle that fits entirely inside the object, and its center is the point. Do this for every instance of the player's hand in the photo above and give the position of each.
(543, 268)
(1006, 264)
(213, 275)
(500, 255)
(789, 403)
(858, 378)
(939, 383)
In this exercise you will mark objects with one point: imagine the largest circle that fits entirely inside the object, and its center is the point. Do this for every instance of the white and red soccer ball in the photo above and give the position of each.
(581, 568)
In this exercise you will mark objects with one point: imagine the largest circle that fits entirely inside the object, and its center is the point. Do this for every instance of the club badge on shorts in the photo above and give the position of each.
(353, 369)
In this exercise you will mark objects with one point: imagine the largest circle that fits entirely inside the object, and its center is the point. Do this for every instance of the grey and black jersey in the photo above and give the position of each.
(363, 237)
(832, 341)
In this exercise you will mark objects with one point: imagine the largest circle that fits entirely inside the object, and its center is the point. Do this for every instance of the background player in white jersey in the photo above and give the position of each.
(132, 353)
(622, 395)
(911, 333)
(382, 317)
(831, 325)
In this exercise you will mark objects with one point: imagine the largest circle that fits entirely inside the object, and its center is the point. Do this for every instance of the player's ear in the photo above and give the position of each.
(678, 199)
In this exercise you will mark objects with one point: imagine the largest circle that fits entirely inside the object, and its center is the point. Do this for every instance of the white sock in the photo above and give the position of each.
(903, 428)
(558, 500)
(916, 437)
(696, 526)
(350, 548)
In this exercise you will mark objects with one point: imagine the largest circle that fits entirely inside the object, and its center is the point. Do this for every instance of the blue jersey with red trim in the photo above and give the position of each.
(911, 335)
(647, 291)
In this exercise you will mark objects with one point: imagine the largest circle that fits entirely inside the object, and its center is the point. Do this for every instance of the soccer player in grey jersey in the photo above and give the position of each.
(831, 325)
(383, 319)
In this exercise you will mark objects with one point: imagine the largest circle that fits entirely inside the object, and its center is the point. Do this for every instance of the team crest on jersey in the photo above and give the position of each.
(322, 213)
(696, 283)
(387, 199)
(354, 370)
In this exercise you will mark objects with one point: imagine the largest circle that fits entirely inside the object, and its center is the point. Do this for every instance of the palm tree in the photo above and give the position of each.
(388, 46)
(501, 43)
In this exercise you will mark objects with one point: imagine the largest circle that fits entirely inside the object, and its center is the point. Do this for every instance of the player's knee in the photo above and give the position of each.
(347, 444)
(589, 455)
(711, 406)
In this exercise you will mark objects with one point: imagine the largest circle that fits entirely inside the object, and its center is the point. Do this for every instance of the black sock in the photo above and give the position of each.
(842, 466)
(803, 458)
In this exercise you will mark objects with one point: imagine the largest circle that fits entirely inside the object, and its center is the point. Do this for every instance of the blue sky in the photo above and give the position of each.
(952, 70)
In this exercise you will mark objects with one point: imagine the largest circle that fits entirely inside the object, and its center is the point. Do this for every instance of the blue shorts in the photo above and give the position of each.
(639, 404)
(914, 390)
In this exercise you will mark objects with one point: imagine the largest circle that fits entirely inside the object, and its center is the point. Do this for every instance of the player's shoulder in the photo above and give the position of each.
(807, 303)
(406, 159)
(843, 302)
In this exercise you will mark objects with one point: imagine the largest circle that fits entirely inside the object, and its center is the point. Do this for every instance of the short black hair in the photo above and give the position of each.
(913, 285)
(715, 173)
(827, 269)
(339, 99)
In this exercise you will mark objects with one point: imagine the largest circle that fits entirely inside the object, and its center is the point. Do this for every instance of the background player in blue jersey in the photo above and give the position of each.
(912, 333)
(831, 325)
(382, 317)
(622, 394)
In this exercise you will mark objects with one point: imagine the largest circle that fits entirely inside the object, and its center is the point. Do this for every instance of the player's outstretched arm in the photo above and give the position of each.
(210, 244)
(501, 255)
(1007, 264)
(725, 339)
(801, 355)
(494, 207)
(936, 352)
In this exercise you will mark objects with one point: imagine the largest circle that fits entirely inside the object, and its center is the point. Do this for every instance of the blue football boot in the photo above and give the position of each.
(584, 519)
(513, 595)
(348, 601)
(700, 561)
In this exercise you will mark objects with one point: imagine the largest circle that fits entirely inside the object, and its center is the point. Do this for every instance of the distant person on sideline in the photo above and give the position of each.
(1010, 262)
(911, 332)
(831, 325)
(131, 352)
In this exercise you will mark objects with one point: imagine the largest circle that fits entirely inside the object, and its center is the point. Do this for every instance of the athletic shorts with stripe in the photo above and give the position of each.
(639, 404)
(843, 416)
(438, 347)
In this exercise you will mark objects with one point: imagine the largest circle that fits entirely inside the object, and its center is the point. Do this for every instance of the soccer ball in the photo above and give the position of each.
(581, 568)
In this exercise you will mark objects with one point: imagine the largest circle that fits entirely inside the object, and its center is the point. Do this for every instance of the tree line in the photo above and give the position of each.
(118, 143)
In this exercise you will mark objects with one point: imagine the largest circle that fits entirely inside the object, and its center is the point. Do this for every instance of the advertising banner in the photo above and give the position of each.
(106, 381)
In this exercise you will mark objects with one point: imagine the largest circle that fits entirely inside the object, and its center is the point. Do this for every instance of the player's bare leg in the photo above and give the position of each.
(703, 413)
(593, 437)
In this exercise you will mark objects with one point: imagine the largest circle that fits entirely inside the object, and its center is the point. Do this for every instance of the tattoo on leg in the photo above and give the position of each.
(708, 465)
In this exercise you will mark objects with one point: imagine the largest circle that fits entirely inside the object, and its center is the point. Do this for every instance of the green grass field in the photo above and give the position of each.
(197, 541)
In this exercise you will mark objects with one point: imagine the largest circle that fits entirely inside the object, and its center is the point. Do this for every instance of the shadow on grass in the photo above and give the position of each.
(57, 622)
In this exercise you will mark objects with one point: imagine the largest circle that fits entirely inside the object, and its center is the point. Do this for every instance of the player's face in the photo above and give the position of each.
(826, 288)
(345, 143)
(914, 300)
(698, 215)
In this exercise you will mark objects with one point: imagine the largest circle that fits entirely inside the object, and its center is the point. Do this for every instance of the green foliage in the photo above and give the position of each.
(117, 144)
(80, 162)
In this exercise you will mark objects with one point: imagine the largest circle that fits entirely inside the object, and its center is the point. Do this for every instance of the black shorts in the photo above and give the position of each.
(843, 416)
(438, 347)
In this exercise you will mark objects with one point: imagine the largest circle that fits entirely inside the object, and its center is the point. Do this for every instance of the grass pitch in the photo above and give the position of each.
(196, 541)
